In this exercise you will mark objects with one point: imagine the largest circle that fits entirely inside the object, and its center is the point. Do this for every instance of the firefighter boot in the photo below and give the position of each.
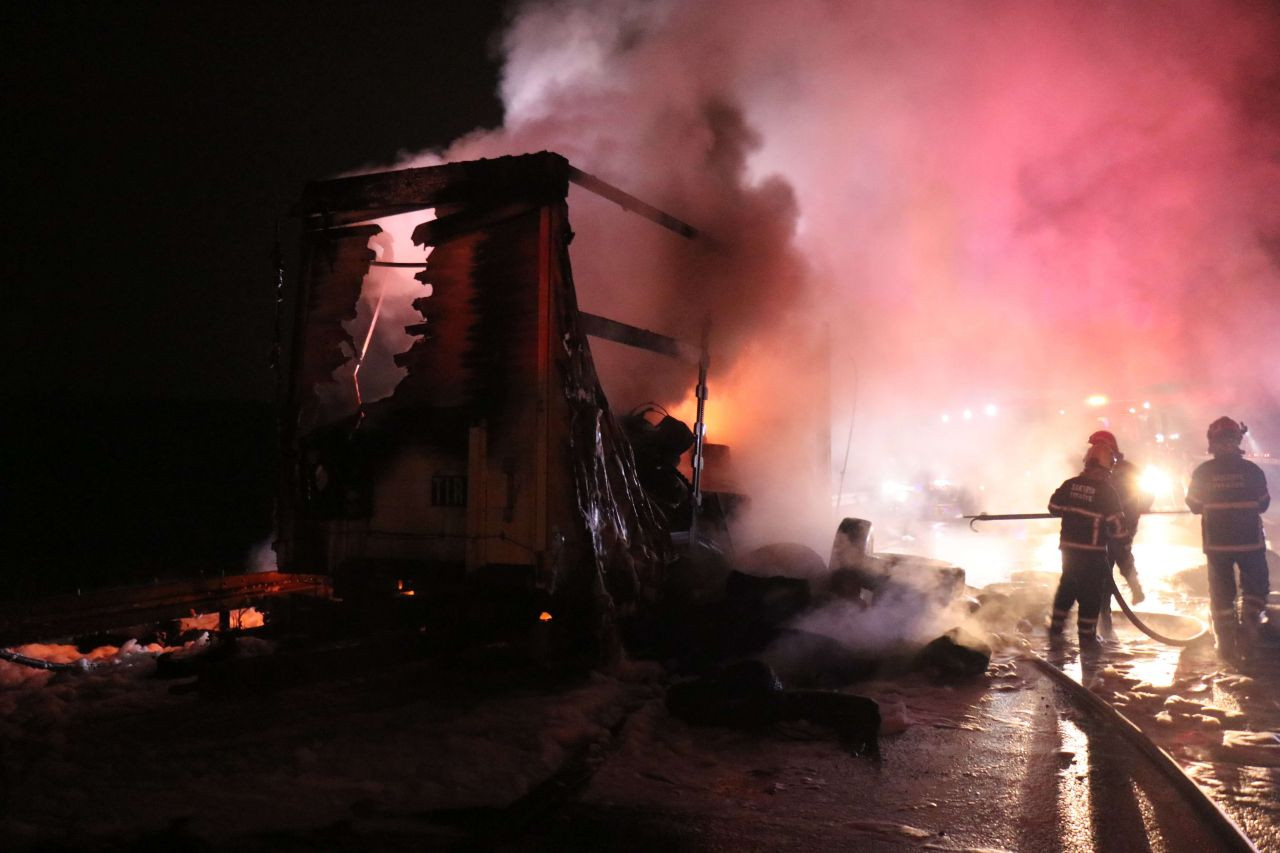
(1057, 624)
(1224, 632)
(1250, 627)
(1136, 595)
(1104, 620)
(1088, 634)
(1250, 634)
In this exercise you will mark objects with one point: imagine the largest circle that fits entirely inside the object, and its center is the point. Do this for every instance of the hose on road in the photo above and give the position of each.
(1146, 629)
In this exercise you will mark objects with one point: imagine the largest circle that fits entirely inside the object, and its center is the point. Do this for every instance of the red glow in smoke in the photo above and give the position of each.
(1019, 200)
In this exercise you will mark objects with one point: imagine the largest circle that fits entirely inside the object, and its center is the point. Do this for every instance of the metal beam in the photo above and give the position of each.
(634, 336)
(629, 202)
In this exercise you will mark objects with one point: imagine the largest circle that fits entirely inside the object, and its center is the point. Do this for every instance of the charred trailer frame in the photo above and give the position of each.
(493, 484)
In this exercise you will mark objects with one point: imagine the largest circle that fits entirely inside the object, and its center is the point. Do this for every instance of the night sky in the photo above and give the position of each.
(153, 147)
(151, 150)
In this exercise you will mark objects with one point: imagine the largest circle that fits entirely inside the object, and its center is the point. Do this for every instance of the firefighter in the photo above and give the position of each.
(1136, 501)
(1091, 515)
(1229, 493)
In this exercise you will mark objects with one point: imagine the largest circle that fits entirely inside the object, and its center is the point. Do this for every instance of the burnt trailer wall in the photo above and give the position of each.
(495, 457)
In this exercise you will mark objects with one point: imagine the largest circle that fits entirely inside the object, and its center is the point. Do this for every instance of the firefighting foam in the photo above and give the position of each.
(915, 210)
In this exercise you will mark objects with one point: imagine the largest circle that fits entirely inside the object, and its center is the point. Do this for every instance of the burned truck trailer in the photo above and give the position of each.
(493, 470)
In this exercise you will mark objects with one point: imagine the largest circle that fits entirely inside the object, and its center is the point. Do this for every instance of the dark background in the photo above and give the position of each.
(152, 150)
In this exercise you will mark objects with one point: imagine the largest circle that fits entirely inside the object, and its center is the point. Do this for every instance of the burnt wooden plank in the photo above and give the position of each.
(536, 177)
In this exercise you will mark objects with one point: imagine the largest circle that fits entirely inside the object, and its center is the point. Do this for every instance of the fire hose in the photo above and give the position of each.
(1146, 629)
(1111, 581)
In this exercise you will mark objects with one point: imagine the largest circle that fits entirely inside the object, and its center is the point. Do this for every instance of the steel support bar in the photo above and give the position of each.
(629, 202)
(700, 427)
(1025, 516)
(634, 336)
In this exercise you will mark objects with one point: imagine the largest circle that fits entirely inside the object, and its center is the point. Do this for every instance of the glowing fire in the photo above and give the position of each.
(544, 616)
(716, 414)
(243, 618)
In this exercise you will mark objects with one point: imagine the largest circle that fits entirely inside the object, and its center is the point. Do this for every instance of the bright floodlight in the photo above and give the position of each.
(991, 410)
(968, 414)
(946, 418)
(1096, 400)
(1156, 481)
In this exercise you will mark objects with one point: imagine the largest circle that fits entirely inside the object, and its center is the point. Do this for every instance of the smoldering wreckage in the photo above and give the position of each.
(546, 513)
(491, 510)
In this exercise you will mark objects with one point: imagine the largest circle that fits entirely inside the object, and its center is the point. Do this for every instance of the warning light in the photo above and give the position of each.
(544, 616)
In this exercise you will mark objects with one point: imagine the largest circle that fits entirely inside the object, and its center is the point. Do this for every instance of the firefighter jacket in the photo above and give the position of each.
(1091, 513)
(1229, 493)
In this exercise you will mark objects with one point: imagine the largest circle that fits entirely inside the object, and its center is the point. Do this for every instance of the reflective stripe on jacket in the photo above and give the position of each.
(1091, 513)
(1229, 493)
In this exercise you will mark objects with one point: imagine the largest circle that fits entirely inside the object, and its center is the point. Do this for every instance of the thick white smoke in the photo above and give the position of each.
(1017, 203)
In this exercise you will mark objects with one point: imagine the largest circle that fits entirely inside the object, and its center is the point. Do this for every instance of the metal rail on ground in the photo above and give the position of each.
(1232, 836)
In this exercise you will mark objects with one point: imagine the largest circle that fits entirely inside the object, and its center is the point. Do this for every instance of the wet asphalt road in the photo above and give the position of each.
(1010, 762)
(1217, 721)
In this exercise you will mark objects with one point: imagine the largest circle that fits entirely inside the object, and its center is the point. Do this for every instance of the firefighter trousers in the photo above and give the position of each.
(1120, 552)
(1254, 586)
(1085, 576)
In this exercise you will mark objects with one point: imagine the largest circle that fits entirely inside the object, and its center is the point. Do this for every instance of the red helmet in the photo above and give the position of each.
(1226, 431)
(1100, 456)
(1104, 437)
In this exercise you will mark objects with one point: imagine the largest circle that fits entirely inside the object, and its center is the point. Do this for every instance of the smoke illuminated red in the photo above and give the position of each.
(916, 209)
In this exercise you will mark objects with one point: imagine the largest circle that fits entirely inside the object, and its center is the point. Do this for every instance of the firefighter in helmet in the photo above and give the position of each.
(1092, 515)
(1136, 501)
(1229, 493)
